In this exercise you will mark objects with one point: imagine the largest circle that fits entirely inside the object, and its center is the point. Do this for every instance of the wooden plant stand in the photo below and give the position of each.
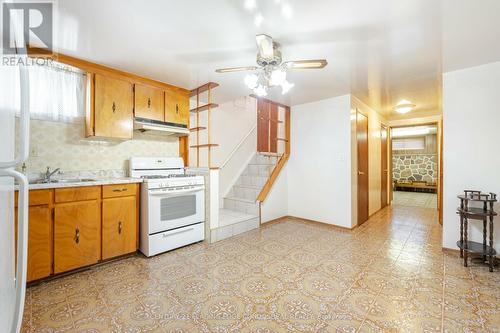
(486, 214)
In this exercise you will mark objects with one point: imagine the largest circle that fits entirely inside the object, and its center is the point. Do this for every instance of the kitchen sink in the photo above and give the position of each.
(62, 181)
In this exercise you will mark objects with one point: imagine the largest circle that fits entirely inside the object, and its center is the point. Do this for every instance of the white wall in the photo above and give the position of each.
(319, 168)
(230, 122)
(375, 121)
(471, 119)
(276, 204)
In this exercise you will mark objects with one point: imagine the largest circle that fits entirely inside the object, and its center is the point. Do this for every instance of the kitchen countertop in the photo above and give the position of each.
(100, 181)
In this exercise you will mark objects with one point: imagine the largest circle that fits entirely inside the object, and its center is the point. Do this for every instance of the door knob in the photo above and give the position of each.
(361, 173)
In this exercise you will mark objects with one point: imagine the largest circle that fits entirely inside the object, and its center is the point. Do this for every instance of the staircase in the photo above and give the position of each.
(240, 212)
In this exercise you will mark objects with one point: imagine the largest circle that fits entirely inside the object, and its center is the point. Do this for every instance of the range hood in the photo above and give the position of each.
(159, 127)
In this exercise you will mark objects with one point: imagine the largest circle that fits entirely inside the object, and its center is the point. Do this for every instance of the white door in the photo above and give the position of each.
(12, 275)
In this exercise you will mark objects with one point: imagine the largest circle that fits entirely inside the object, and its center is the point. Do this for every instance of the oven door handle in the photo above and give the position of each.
(166, 194)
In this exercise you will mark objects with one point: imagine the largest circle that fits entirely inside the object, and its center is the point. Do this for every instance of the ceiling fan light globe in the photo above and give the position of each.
(251, 81)
(278, 77)
(260, 90)
(286, 86)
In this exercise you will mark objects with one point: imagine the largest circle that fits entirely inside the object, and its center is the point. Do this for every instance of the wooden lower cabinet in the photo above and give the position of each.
(39, 242)
(119, 226)
(39, 263)
(77, 235)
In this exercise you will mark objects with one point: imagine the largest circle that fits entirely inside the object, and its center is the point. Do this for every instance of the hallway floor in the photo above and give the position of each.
(415, 199)
(389, 275)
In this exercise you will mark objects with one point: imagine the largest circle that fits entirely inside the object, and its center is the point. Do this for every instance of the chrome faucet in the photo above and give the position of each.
(49, 174)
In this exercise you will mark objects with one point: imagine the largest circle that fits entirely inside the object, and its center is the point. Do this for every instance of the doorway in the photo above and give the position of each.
(415, 165)
(384, 169)
(362, 145)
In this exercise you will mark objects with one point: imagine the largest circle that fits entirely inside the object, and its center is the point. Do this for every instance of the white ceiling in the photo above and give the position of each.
(381, 51)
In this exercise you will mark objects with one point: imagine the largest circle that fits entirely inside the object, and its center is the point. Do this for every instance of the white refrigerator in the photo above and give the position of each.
(14, 99)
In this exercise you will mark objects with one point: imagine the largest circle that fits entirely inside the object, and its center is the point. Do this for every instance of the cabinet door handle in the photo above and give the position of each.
(149, 103)
(120, 190)
(177, 108)
(113, 107)
(77, 236)
(119, 227)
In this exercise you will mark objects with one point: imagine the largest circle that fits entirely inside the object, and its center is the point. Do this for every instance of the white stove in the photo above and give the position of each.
(172, 204)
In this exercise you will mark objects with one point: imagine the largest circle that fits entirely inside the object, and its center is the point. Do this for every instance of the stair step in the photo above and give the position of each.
(251, 187)
(241, 205)
(252, 180)
(228, 217)
(232, 224)
(240, 199)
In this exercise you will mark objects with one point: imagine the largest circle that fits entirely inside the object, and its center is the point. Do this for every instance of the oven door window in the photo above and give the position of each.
(177, 207)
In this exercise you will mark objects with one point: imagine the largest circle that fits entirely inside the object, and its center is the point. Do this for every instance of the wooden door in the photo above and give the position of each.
(149, 103)
(39, 263)
(39, 242)
(177, 107)
(267, 126)
(384, 166)
(77, 235)
(119, 226)
(113, 108)
(362, 142)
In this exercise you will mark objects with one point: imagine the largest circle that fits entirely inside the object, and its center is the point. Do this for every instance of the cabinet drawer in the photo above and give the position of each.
(37, 197)
(173, 239)
(77, 194)
(119, 190)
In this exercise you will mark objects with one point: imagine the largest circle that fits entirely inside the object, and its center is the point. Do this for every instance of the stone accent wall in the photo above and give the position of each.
(415, 167)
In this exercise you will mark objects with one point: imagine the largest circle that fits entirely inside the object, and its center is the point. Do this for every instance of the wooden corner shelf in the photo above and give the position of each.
(203, 88)
(206, 145)
(204, 107)
(197, 129)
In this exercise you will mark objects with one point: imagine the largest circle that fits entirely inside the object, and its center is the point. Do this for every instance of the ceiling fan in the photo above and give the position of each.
(271, 70)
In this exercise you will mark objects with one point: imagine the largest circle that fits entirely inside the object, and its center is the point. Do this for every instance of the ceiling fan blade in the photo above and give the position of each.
(236, 69)
(265, 45)
(306, 64)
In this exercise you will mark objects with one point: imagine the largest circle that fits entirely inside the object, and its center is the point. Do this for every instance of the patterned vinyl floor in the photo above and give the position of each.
(389, 275)
(415, 199)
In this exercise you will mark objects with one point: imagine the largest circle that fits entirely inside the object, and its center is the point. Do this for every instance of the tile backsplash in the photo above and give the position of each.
(63, 145)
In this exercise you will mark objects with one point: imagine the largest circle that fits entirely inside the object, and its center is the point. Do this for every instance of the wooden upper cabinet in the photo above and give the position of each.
(113, 108)
(177, 107)
(77, 235)
(149, 103)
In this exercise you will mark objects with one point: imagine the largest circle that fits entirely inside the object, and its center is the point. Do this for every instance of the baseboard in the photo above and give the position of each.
(274, 221)
(300, 219)
(454, 251)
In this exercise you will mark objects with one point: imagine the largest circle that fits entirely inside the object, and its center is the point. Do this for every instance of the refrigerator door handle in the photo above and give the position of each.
(24, 121)
(22, 245)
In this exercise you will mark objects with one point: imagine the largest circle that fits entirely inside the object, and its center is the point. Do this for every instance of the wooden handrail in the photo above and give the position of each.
(238, 146)
(281, 162)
